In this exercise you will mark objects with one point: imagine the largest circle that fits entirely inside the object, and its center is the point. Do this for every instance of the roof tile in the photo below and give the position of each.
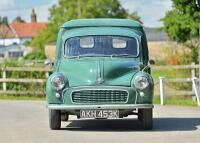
(28, 30)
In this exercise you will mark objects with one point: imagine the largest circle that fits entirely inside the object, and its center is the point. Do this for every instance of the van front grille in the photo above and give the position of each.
(99, 96)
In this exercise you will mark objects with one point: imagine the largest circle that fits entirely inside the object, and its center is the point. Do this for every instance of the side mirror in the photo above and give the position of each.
(151, 62)
(48, 62)
(198, 3)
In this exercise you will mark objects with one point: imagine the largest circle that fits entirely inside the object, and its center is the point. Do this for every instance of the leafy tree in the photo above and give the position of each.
(3, 20)
(182, 24)
(73, 9)
(134, 15)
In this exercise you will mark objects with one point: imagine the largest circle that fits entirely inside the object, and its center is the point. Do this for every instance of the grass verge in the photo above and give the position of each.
(12, 97)
(176, 101)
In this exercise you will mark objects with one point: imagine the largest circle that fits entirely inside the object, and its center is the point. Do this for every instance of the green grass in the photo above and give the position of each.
(170, 73)
(176, 101)
(12, 97)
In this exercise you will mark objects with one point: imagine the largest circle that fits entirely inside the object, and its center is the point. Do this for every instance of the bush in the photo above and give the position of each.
(18, 75)
(38, 54)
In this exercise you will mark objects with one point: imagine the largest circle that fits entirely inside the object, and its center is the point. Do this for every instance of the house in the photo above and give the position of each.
(12, 36)
(13, 51)
(20, 31)
(7, 35)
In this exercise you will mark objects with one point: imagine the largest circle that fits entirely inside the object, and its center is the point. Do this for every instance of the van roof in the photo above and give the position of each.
(99, 22)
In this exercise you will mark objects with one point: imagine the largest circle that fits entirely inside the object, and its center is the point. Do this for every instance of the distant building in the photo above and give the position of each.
(13, 51)
(19, 31)
(158, 43)
(7, 35)
(156, 34)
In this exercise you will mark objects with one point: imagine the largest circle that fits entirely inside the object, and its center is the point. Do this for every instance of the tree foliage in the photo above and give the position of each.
(182, 24)
(3, 20)
(69, 9)
(134, 15)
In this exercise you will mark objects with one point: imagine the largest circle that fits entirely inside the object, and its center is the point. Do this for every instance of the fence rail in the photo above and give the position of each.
(46, 70)
(6, 80)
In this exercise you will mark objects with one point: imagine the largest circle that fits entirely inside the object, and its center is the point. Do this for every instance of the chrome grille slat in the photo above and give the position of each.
(99, 96)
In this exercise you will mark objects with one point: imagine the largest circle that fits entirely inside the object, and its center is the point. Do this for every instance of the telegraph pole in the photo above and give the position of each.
(79, 8)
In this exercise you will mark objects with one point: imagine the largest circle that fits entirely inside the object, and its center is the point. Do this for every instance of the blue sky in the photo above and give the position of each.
(150, 11)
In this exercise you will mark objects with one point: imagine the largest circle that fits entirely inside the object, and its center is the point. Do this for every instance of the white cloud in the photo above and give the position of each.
(12, 10)
(150, 11)
(42, 11)
(6, 4)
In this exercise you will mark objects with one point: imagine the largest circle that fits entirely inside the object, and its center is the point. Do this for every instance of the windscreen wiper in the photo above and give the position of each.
(121, 55)
(88, 55)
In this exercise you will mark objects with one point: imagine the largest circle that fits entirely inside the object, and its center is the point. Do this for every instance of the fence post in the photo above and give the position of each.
(4, 77)
(193, 72)
(162, 90)
(196, 89)
(199, 66)
(47, 74)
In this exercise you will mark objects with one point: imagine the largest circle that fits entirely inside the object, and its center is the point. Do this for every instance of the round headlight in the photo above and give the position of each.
(141, 82)
(58, 82)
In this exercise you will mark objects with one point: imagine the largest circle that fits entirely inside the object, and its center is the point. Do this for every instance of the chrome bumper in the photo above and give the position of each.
(82, 107)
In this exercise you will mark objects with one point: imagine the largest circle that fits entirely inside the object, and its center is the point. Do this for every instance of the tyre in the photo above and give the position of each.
(140, 115)
(146, 118)
(54, 119)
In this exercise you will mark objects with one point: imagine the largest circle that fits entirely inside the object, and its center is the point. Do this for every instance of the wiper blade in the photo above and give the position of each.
(121, 55)
(73, 57)
(88, 55)
(79, 56)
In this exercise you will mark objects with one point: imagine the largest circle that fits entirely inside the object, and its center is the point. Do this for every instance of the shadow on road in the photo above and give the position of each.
(119, 125)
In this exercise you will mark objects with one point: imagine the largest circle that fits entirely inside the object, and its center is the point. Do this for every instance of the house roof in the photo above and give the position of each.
(6, 31)
(27, 30)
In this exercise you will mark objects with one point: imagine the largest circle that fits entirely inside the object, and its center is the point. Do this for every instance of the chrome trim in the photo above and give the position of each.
(81, 107)
(99, 89)
(134, 82)
(51, 80)
(136, 96)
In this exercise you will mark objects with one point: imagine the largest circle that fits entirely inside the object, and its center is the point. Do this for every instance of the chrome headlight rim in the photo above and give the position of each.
(63, 82)
(143, 79)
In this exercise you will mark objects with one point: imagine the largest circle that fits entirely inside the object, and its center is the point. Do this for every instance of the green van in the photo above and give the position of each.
(101, 71)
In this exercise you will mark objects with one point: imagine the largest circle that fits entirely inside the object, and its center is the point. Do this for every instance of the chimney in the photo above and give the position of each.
(33, 16)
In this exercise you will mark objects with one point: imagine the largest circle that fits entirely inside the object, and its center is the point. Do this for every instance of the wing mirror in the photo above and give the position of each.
(48, 62)
(151, 62)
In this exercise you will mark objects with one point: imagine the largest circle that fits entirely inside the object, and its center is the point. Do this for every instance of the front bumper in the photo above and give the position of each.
(82, 107)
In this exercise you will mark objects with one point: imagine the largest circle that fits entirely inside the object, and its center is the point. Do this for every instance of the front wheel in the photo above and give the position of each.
(146, 117)
(54, 119)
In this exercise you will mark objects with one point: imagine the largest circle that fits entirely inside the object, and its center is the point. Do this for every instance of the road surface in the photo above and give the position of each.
(27, 122)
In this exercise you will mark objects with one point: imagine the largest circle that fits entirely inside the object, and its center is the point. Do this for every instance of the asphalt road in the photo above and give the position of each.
(27, 122)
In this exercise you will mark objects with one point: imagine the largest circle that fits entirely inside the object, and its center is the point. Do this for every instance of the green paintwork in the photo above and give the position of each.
(101, 22)
(118, 72)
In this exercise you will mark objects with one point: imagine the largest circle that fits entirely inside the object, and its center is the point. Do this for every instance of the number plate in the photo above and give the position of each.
(99, 113)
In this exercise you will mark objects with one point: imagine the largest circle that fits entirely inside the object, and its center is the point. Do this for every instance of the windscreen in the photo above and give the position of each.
(101, 45)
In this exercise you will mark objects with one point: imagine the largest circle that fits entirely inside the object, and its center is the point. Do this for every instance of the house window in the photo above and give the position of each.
(15, 54)
(2, 55)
